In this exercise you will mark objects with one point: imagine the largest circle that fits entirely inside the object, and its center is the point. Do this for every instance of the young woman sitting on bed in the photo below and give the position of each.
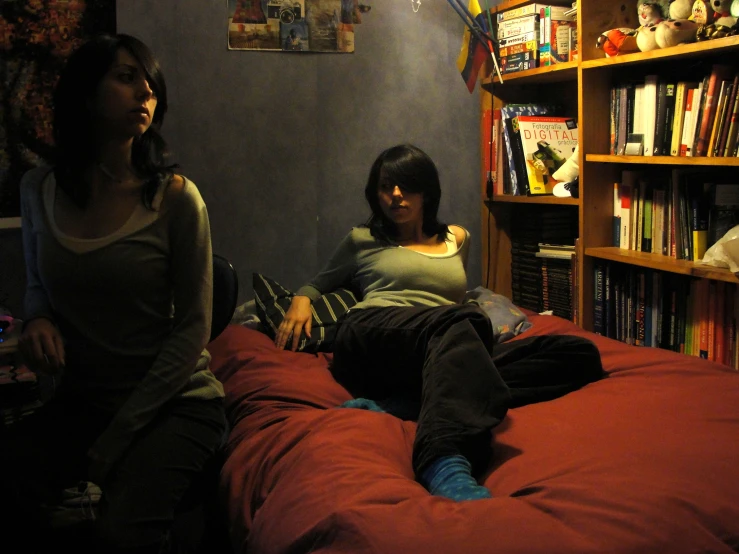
(118, 255)
(410, 338)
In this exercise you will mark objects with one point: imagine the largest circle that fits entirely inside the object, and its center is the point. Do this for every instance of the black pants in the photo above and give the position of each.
(443, 358)
(46, 453)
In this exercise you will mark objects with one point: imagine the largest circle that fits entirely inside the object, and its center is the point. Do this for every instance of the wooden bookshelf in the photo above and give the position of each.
(584, 87)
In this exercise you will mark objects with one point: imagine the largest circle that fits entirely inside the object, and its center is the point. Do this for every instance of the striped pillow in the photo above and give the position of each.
(273, 300)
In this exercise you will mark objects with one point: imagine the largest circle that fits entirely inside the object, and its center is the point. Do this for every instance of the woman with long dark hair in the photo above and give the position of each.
(117, 308)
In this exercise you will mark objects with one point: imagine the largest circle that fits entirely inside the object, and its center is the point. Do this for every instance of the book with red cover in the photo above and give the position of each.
(719, 72)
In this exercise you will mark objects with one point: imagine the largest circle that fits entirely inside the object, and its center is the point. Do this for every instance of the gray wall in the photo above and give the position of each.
(280, 144)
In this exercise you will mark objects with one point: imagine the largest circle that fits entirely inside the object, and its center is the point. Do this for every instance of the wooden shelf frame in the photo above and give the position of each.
(662, 263)
(543, 199)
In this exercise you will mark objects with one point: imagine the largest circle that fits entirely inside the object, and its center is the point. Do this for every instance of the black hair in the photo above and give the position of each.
(74, 95)
(410, 168)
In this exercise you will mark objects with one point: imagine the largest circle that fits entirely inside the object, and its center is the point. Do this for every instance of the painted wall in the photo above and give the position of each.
(280, 144)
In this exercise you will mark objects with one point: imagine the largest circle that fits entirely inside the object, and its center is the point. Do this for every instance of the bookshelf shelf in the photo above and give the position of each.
(717, 47)
(665, 160)
(544, 199)
(662, 263)
(541, 75)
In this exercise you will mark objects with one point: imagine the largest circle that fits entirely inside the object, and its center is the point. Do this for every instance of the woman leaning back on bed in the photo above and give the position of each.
(411, 340)
(119, 295)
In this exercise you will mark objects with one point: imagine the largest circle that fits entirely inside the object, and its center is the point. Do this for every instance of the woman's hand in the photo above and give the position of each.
(297, 319)
(41, 346)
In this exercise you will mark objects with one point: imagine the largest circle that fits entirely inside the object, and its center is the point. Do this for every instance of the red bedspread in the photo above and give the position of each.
(646, 460)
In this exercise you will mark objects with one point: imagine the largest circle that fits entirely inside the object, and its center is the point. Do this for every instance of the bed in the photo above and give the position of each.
(646, 460)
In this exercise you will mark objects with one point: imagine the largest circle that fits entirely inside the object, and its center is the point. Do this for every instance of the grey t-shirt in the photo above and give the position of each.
(390, 275)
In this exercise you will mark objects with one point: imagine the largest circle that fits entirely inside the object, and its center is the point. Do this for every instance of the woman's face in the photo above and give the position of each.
(399, 206)
(124, 105)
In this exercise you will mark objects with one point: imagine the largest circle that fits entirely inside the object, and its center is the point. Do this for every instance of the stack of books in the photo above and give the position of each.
(532, 225)
(536, 35)
(557, 278)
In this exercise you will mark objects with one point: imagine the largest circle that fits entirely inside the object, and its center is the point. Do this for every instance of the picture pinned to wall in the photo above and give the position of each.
(294, 25)
(36, 36)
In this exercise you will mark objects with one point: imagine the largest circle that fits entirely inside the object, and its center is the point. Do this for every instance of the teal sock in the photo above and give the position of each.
(451, 477)
(362, 404)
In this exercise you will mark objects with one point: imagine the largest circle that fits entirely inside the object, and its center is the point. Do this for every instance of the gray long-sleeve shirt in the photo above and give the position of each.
(139, 302)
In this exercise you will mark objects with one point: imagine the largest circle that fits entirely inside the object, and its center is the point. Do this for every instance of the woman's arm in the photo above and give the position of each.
(41, 343)
(191, 271)
(338, 272)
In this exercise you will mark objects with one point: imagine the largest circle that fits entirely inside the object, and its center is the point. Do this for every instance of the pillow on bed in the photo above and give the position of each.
(508, 321)
(273, 300)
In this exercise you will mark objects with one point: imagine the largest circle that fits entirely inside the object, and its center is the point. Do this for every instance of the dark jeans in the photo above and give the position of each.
(443, 358)
(46, 453)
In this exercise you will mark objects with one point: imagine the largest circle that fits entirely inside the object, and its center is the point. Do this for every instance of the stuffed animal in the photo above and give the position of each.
(669, 32)
(722, 11)
(618, 41)
(651, 12)
(681, 9)
(646, 38)
(734, 10)
(701, 13)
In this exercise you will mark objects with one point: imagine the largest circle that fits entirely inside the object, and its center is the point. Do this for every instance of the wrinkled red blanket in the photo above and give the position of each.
(646, 460)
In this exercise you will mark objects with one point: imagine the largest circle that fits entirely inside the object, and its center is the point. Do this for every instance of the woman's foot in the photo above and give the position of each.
(362, 404)
(451, 477)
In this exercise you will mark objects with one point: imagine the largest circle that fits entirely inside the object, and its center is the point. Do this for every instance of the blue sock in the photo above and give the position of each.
(451, 477)
(362, 404)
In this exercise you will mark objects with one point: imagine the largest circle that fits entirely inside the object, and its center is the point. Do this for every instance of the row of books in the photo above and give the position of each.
(660, 116)
(651, 308)
(526, 145)
(536, 35)
(680, 213)
(542, 261)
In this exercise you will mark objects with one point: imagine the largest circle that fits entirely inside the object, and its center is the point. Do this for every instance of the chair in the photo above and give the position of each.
(225, 294)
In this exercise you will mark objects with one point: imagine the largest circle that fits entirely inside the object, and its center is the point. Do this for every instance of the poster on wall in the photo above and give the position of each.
(36, 36)
(294, 25)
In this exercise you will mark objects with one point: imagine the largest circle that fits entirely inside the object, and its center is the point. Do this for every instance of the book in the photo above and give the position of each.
(555, 35)
(731, 137)
(518, 26)
(530, 46)
(730, 101)
(680, 99)
(661, 111)
(506, 113)
(520, 12)
(649, 112)
(723, 212)
(664, 142)
(547, 142)
(719, 72)
(518, 39)
(717, 123)
(616, 215)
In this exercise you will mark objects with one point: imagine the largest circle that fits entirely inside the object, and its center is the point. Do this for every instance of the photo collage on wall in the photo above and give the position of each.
(294, 25)
(36, 36)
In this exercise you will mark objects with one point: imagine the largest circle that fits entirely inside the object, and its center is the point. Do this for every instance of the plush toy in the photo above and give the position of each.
(701, 13)
(646, 38)
(734, 10)
(618, 41)
(681, 9)
(722, 11)
(651, 12)
(669, 33)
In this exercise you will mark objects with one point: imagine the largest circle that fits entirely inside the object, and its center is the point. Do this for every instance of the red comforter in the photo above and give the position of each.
(646, 460)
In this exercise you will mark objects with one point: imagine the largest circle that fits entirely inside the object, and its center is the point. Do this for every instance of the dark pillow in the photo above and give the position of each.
(273, 301)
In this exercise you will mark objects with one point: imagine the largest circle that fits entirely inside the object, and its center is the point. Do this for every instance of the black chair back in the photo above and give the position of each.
(225, 294)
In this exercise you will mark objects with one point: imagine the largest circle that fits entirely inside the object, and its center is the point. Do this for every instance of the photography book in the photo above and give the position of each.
(546, 143)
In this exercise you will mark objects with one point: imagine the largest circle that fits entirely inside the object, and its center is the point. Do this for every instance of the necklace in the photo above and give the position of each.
(109, 174)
